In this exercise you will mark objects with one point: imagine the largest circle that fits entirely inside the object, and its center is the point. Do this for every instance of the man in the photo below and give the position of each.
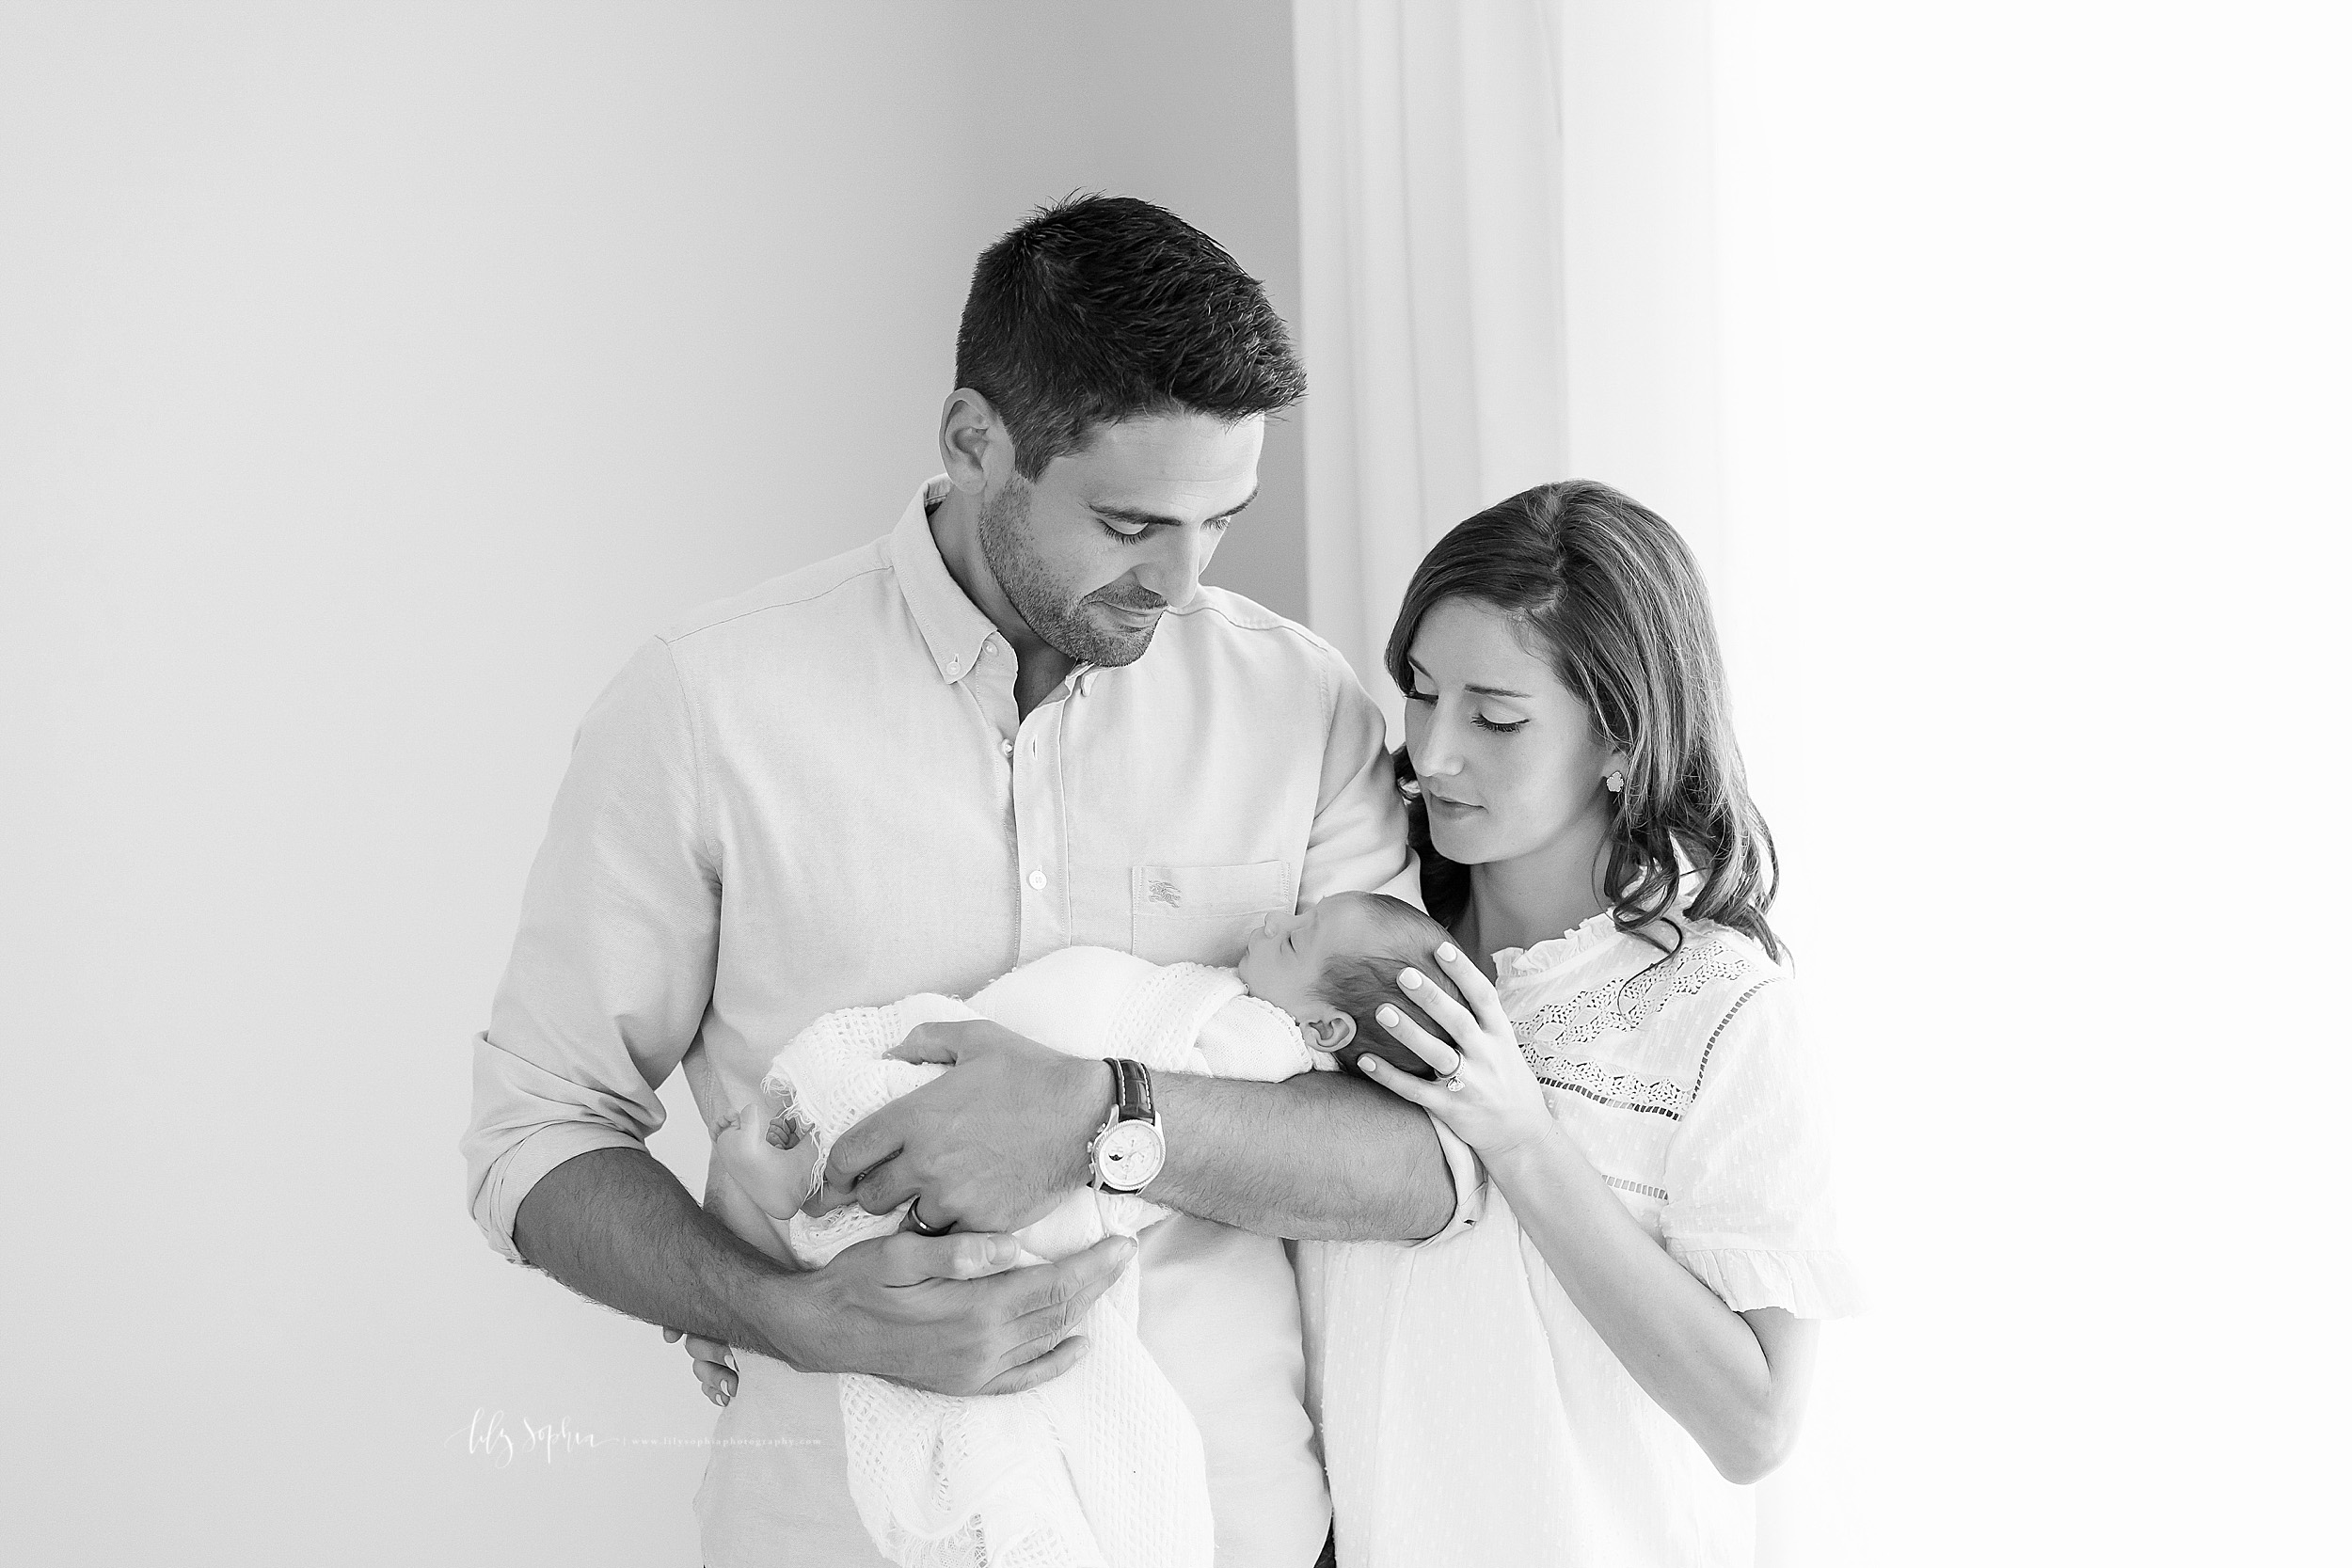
(910, 768)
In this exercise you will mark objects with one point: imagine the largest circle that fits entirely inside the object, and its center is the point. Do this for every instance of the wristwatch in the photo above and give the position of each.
(1129, 1150)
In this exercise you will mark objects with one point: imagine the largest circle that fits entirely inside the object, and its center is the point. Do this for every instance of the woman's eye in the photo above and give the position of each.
(1415, 694)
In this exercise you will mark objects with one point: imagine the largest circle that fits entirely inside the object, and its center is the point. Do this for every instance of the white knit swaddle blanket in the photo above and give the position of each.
(1101, 1467)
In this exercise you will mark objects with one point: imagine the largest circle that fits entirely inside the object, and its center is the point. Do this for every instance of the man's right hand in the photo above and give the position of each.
(948, 1313)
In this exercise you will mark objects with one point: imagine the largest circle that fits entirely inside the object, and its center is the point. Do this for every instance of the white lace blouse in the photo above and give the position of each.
(1468, 1414)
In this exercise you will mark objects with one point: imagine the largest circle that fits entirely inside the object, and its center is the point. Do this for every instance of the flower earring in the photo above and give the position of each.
(1616, 782)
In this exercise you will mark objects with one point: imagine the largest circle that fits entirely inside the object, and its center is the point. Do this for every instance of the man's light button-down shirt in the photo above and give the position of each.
(823, 761)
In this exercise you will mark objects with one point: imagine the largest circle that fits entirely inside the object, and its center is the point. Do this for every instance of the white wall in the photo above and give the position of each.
(372, 381)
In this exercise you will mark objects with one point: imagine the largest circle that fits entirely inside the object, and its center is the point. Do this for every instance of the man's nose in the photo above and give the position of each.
(1177, 559)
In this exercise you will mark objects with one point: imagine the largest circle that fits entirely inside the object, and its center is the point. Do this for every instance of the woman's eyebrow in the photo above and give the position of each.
(1414, 665)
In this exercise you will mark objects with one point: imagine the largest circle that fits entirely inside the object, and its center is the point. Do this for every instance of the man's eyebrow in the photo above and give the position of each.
(1146, 519)
(1413, 664)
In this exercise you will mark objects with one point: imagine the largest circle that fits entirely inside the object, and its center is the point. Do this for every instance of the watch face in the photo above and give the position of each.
(1130, 1155)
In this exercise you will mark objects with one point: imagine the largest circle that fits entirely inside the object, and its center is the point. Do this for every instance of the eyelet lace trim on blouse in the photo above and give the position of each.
(1620, 1007)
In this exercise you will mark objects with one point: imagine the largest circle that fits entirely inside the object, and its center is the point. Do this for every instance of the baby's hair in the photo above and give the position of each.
(1360, 984)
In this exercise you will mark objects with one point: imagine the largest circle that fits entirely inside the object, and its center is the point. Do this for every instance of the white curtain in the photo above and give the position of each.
(1992, 359)
(1509, 260)
(1434, 325)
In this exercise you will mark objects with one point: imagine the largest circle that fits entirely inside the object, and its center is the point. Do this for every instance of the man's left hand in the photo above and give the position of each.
(992, 1144)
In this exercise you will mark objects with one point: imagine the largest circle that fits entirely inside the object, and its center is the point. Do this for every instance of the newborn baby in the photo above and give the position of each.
(1328, 970)
(1101, 1465)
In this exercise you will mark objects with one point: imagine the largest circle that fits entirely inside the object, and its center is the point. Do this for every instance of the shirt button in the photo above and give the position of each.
(1037, 880)
(1007, 746)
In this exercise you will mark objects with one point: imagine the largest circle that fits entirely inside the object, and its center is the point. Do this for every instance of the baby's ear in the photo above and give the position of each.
(1330, 1033)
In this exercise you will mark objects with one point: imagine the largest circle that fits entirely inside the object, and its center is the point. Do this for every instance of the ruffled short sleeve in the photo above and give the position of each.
(1749, 1209)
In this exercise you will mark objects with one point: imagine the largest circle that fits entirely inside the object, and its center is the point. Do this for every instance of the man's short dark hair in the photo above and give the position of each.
(1104, 308)
(1360, 984)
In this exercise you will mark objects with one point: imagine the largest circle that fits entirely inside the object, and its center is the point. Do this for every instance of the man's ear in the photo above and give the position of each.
(1331, 1031)
(972, 441)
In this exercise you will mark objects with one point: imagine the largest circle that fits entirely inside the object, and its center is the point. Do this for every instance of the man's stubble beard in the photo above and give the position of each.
(1061, 623)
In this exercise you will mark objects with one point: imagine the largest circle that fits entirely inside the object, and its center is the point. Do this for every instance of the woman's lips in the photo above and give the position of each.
(1441, 803)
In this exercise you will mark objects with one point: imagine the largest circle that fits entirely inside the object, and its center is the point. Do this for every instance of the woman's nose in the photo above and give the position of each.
(1437, 750)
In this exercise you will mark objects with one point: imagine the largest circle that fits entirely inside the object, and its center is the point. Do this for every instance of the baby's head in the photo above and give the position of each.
(1333, 966)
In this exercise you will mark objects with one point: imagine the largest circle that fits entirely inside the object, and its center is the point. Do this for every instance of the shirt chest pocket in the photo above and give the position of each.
(1200, 914)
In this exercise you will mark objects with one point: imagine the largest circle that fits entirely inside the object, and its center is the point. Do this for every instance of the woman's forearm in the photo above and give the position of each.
(1704, 1364)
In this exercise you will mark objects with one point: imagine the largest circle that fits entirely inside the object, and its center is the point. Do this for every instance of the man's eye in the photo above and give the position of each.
(1124, 537)
(1414, 694)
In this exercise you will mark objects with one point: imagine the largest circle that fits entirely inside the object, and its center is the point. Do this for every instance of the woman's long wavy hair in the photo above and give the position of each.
(1604, 589)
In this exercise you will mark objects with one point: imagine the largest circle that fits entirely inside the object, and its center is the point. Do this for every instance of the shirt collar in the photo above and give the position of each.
(953, 627)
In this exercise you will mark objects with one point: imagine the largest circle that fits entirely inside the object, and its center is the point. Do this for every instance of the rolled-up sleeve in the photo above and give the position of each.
(612, 964)
(1470, 1185)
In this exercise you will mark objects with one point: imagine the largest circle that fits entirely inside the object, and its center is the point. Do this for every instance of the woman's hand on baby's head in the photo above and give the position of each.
(1486, 1091)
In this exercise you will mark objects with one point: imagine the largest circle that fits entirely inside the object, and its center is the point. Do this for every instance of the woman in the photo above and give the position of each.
(1589, 1373)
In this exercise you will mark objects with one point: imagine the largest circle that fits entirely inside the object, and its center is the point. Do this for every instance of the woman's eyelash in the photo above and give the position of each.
(1416, 695)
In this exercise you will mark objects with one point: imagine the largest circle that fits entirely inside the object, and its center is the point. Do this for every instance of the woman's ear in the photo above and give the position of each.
(1330, 1033)
(1615, 769)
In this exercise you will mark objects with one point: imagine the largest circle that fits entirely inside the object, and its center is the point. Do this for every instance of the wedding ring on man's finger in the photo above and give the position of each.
(914, 1221)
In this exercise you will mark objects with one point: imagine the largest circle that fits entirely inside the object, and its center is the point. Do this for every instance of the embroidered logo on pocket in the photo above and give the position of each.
(1200, 913)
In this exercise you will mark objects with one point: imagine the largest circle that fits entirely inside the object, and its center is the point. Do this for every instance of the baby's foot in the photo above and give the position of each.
(771, 1153)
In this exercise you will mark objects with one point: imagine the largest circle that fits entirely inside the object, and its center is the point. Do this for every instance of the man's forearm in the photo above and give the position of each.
(617, 1226)
(1315, 1157)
